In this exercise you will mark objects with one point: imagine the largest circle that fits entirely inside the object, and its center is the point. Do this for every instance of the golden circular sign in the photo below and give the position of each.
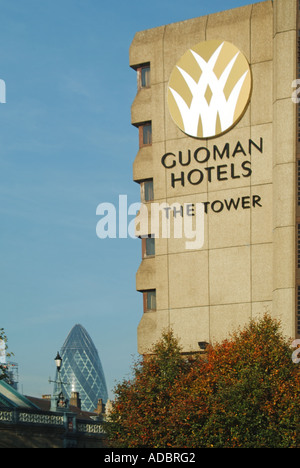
(209, 89)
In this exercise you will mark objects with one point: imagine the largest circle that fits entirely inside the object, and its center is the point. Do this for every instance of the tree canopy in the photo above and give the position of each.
(243, 392)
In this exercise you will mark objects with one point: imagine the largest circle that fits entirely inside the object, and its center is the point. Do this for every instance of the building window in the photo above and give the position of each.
(145, 134)
(298, 312)
(298, 203)
(298, 182)
(143, 76)
(147, 193)
(149, 300)
(298, 247)
(148, 246)
(298, 75)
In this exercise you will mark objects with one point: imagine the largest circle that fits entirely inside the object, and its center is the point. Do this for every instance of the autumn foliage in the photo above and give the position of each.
(244, 392)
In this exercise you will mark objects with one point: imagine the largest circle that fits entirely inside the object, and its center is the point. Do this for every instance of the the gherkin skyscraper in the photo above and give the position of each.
(81, 369)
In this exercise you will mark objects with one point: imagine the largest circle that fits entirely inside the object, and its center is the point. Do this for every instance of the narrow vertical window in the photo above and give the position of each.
(298, 248)
(147, 193)
(298, 311)
(298, 76)
(148, 246)
(298, 182)
(145, 134)
(143, 76)
(149, 300)
(298, 200)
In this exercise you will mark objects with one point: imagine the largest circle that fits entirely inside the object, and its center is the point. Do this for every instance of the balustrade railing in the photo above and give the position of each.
(17, 416)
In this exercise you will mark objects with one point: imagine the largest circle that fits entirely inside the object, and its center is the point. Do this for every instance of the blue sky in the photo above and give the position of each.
(67, 145)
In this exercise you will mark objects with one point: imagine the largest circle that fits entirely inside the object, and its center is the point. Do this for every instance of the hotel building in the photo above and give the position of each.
(217, 116)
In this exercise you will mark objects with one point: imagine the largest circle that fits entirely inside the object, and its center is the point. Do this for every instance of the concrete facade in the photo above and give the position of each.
(246, 178)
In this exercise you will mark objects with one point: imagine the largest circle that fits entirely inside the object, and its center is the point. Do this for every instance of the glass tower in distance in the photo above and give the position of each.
(81, 369)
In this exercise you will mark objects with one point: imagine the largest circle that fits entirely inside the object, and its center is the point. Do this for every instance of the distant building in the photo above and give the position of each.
(81, 369)
(8, 367)
(11, 370)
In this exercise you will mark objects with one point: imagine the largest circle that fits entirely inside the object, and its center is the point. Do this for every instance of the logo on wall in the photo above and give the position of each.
(209, 89)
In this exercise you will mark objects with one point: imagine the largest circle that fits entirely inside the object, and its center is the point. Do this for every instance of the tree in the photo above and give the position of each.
(254, 389)
(143, 403)
(243, 393)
